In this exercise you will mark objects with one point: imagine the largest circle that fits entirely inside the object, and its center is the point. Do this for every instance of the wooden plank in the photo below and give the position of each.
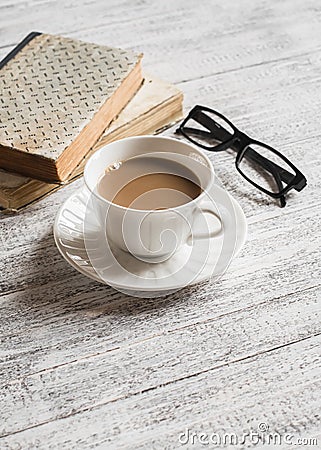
(218, 397)
(74, 325)
(217, 42)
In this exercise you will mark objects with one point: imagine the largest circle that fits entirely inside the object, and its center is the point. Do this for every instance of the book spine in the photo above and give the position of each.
(19, 47)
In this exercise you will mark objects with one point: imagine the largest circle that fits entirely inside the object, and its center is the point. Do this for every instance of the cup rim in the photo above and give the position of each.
(159, 211)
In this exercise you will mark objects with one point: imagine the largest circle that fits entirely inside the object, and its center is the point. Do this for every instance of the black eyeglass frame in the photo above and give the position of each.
(241, 143)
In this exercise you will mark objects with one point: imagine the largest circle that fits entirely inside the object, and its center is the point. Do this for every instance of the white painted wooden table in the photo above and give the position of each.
(83, 366)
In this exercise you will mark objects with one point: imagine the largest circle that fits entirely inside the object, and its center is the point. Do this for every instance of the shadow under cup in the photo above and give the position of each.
(150, 235)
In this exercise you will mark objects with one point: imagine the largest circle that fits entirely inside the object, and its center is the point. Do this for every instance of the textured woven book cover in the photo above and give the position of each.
(58, 96)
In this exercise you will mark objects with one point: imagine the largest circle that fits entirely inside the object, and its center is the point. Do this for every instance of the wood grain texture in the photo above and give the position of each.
(83, 366)
(127, 369)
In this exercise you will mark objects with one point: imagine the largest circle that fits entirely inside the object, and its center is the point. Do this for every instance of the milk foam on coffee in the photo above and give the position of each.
(149, 183)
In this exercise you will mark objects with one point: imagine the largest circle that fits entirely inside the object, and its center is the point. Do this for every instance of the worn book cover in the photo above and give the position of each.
(156, 106)
(57, 96)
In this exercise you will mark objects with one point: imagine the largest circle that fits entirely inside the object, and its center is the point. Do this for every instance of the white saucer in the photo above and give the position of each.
(85, 246)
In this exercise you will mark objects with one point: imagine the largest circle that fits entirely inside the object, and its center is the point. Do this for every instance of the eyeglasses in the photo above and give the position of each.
(261, 165)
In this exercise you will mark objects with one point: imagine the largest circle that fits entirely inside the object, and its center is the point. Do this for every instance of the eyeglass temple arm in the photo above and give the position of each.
(280, 186)
(266, 163)
(209, 123)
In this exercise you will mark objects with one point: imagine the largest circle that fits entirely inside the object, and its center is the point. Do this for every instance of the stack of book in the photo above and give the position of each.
(62, 99)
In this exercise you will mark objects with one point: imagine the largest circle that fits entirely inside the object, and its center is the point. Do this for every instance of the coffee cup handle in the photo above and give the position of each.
(211, 234)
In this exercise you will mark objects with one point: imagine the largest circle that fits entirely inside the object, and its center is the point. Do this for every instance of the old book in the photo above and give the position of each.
(156, 106)
(58, 95)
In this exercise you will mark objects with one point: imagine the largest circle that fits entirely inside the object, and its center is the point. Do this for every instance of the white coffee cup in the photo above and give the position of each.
(152, 235)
